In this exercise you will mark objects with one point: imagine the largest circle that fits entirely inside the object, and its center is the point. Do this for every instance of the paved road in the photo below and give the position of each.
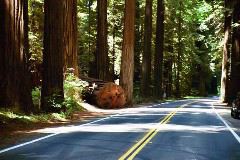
(182, 130)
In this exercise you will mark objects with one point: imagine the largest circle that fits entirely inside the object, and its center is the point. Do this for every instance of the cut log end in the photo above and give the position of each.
(111, 96)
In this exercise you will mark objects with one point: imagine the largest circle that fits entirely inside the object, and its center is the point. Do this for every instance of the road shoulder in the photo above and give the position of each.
(225, 112)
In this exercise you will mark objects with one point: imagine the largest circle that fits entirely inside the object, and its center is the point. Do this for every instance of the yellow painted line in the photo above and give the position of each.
(135, 146)
(150, 138)
(145, 138)
(141, 141)
(135, 149)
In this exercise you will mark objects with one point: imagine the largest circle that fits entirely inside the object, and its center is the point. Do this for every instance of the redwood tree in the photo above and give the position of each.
(102, 51)
(235, 57)
(226, 53)
(53, 54)
(158, 58)
(138, 48)
(15, 88)
(147, 54)
(70, 36)
(179, 50)
(127, 61)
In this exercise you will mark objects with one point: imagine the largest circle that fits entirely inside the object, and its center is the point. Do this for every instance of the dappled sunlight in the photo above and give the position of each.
(125, 127)
(131, 127)
(159, 111)
(134, 118)
(192, 128)
(186, 128)
(132, 122)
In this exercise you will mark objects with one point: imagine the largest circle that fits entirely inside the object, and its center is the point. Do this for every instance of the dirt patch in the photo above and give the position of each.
(13, 131)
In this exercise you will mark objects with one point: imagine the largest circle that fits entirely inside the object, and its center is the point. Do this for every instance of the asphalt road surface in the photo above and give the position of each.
(181, 130)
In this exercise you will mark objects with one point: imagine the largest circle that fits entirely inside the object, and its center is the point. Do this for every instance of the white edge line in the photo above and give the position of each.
(226, 124)
(48, 136)
(51, 135)
(30, 142)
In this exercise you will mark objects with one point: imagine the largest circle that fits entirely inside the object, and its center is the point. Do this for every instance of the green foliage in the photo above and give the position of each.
(8, 116)
(36, 96)
(55, 102)
(136, 93)
(200, 39)
(36, 23)
(73, 89)
(201, 36)
(87, 27)
(115, 30)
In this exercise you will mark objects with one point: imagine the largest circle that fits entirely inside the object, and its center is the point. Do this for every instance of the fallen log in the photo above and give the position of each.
(104, 94)
(111, 96)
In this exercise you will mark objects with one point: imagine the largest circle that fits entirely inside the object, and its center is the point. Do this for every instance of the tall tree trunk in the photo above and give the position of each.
(112, 65)
(102, 58)
(147, 54)
(226, 53)
(53, 54)
(70, 36)
(113, 54)
(170, 80)
(127, 61)
(138, 43)
(235, 57)
(179, 52)
(169, 60)
(92, 71)
(202, 83)
(158, 59)
(15, 88)
(168, 64)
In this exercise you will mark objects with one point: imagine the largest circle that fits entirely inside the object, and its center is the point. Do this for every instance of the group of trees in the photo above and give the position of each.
(14, 76)
(59, 51)
(231, 52)
(156, 48)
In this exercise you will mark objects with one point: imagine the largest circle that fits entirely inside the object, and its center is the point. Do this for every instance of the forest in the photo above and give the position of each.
(52, 50)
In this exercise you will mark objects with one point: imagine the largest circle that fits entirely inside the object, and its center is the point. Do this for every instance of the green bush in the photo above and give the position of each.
(36, 97)
(73, 89)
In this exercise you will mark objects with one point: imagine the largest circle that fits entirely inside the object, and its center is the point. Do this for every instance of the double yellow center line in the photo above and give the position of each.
(135, 149)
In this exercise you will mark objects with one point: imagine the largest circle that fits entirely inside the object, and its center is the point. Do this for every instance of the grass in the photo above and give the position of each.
(7, 117)
(14, 125)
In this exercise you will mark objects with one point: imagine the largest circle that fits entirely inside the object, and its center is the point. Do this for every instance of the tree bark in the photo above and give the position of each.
(179, 52)
(226, 54)
(235, 57)
(158, 59)
(15, 88)
(70, 36)
(112, 65)
(92, 65)
(102, 58)
(127, 61)
(53, 54)
(170, 79)
(147, 54)
(138, 49)
(202, 82)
